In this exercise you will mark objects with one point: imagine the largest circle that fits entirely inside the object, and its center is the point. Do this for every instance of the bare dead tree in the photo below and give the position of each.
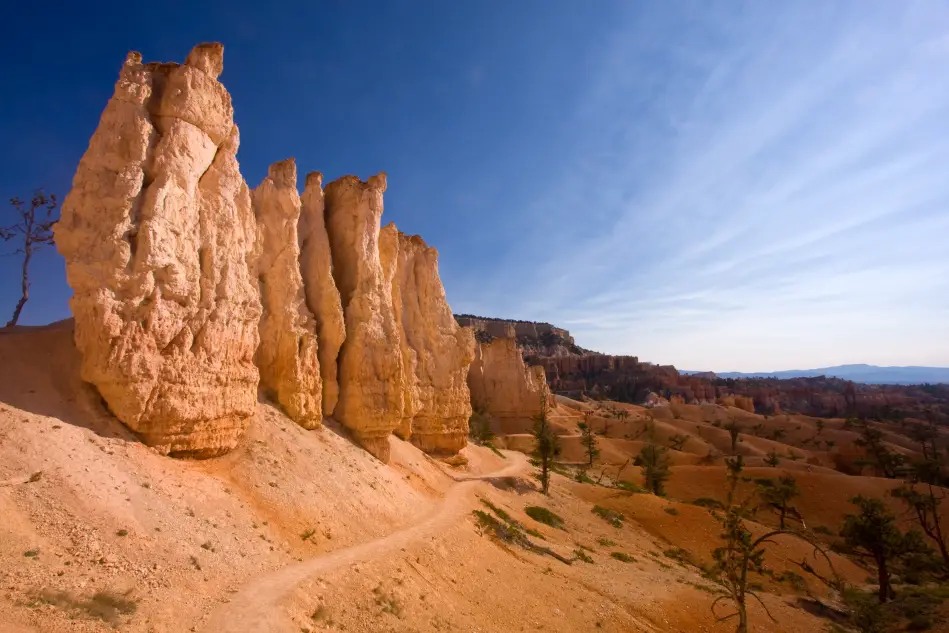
(32, 230)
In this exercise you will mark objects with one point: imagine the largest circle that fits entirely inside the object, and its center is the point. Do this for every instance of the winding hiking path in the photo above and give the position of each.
(255, 609)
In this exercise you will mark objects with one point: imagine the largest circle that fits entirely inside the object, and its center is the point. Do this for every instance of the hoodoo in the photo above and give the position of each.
(372, 379)
(440, 349)
(159, 240)
(502, 383)
(191, 290)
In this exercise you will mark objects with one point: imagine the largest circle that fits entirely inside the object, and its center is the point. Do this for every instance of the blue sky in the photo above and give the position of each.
(717, 185)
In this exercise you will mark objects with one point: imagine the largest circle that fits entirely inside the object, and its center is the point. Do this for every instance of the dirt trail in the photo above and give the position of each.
(255, 609)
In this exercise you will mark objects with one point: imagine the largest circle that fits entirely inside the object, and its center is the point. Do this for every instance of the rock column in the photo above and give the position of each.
(371, 370)
(159, 241)
(287, 356)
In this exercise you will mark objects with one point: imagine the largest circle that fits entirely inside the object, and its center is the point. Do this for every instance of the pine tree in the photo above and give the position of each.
(546, 445)
(872, 533)
(779, 495)
(589, 441)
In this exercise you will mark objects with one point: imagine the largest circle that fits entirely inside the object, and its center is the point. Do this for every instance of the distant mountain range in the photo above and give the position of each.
(869, 374)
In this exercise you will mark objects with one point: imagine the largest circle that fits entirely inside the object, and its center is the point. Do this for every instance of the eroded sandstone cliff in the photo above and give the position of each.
(287, 355)
(372, 382)
(159, 241)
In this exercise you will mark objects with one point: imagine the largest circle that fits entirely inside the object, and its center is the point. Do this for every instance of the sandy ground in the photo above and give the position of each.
(302, 531)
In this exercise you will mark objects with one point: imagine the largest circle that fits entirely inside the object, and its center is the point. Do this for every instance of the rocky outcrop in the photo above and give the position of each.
(502, 384)
(287, 356)
(322, 297)
(623, 378)
(522, 329)
(372, 381)
(159, 241)
(439, 351)
(541, 339)
(393, 274)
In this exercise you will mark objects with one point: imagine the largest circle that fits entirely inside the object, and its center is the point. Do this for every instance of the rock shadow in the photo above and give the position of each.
(39, 373)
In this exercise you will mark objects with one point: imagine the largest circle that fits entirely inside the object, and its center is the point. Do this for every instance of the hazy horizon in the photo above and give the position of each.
(715, 187)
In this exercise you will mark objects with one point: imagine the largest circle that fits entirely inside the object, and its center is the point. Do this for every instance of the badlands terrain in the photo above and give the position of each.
(300, 530)
(258, 419)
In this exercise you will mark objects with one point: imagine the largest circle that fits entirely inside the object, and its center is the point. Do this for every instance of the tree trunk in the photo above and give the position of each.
(24, 287)
(937, 527)
(784, 511)
(742, 620)
(883, 575)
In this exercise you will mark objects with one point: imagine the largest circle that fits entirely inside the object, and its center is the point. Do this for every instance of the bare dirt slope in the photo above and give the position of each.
(302, 531)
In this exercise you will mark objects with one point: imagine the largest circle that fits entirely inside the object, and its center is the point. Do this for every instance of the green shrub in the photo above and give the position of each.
(672, 511)
(623, 556)
(613, 518)
(823, 529)
(605, 542)
(706, 502)
(543, 515)
(681, 556)
(628, 486)
(581, 555)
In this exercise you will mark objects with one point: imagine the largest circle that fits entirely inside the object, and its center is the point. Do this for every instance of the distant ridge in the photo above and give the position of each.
(868, 374)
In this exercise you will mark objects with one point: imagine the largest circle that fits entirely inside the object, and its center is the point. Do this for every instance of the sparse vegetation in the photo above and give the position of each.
(778, 496)
(706, 502)
(623, 556)
(734, 434)
(772, 458)
(605, 542)
(610, 516)
(322, 614)
(740, 553)
(479, 424)
(677, 442)
(579, 554)
(588, 440)
(886, 462)
(654, 462)
(873, 533)
(510, 531)
(627, 485)
(681, 556)
(545, 516)
(108, 606)
(387, 601)
(672, 511)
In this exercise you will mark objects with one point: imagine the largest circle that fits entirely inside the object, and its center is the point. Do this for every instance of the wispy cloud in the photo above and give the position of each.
(754, 189)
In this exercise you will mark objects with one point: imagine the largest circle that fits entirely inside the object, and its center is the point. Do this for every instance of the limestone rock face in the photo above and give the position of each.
(501, 382)
(287, 356)
(440, 350)
(371, 370)
(322, 296)
(159, 241)
(392, 272)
